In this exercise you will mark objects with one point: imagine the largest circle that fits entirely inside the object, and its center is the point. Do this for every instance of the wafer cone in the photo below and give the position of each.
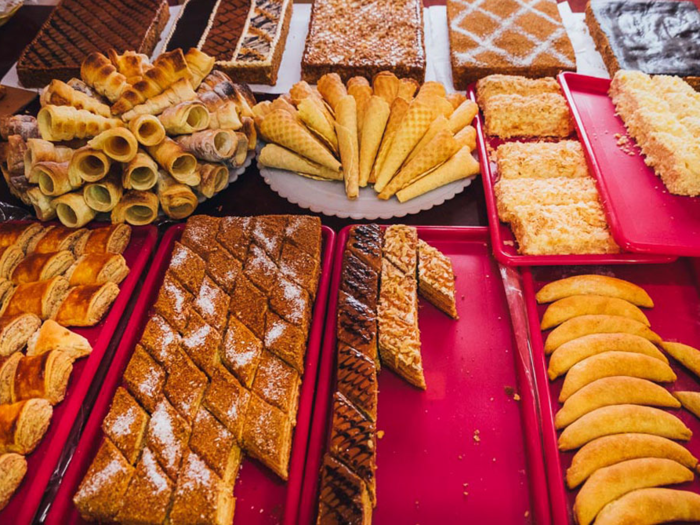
(432, 88)
(463, 115)
(398, 110)
(467, 137)
(301, 91)
(460, 166)
(262, 108)
(375, 122)
(331, 88)
(274, 156)
(408, 88)
(361, 93)
(437, 125)
(281, 128)
(346, 129)
(311, 115)
(357, 81)
(456, 99)
(284, 105)
(386, 85)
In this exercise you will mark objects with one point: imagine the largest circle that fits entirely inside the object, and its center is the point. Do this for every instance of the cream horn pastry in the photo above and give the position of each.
(376, 117)
(108, 239)
(89, 164)
(185, 117)
(13, 468)
(147, 129)
(57, 123)
(81, 86)
(53, 178)
(42, 266)
(141, 173)
(200, 65)
(39, 150)
(223, 112)
(212, 145)
(242, 148)
(15, 332)
(99, 73)
(8, 369)
(23, 125)
(86, 305)
(178, 92)
(97, 268)
(10, 258)
(73, 211)
(131, 64)
(44, 207)
(58, 93)
(118, 144)
(23, 424)
(177, 200)
(214, 178)
(104, 195)
(182, 166)
(43, 376)
(250, 131)
(52, 336)
(40, 298)
(136, 207)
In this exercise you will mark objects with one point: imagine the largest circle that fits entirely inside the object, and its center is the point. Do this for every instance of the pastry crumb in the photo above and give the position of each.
(477, 437)
(380, 434)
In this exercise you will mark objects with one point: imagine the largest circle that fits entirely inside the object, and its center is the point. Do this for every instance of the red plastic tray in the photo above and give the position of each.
(502, 238)
(676, 294)
(261, 497)
(643, 216)
(430, 468)
(42, 462)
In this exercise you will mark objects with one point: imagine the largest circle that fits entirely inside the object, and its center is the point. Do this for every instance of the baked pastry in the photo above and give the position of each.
(353, 41)
(277, 383)
(223, 268)
(357, 325)
(23, 424)
(41, 298)
(187, 267)
(304, 232)
(200, 234)
(13, 467)
(563, 159)
(211, 302)
(493, 85)
(138, 208)
(52, 336)
(285, 340)
(234, 235)
(249, 305)
(366, 243)
(216, 445)
(167, 437)
(144, 379)
(291, 302)
(544, 115)
(86, 305)
(529, 41)
(42, 266)
(185, 386)
(436, 279)
(23, 125)
(15, 331)
(8, 367)
(57, 238)
(6, 289)
(161, 340)
(357, 380)
(125, 425)
(228, 401)
(18, 233)
(241, 351)
(260, 268)
(174, 303)
(107, 239)
(202, 343)
(10, 257)
(343, 495)
(42, 376)
(267, 435)
(300, 267)
(94, 269)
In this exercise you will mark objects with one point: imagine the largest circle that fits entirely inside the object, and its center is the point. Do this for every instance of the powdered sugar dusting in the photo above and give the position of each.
(178, 297)
(274, 333)
(209, 296)
(196, 474)
(198, 337)
(121, 426)
(103, 477)
(179, 257)
(153, 472)
(161, 429)
(293, 294)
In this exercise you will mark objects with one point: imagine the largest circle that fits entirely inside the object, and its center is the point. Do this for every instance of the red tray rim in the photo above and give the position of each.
(72, 406)
(62, 506)
(497, 240)
(325, 384)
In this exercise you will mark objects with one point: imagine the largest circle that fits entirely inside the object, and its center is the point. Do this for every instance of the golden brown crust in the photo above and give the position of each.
(187, 267)
(216, 445)
(241, 351)
(228, 401)
(23, 424)
(43, 376)
(18, 233)
(98, 269)
(267, 435)
(16, 331)
(144, 379)
(86, 305)
(108, 239)
(13, 468)
(125, 424)
(42, 266)
(40, 298)
(57, 238)
(436, 279)
(185, 386)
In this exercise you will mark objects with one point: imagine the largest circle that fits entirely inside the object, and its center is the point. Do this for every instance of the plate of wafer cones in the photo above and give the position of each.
(375, 149)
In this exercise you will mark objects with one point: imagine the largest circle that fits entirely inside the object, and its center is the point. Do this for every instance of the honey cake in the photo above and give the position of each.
(185, 386)
(187, 267)
(125, 424)
(216, 445)
(401, 247)
(357, 379)
(234, 235)
(223, 268)
(249, 305)
(260, 268)
(277, 383)
(228, 401)
(544, 115)
(300, 267)
(201, 341)
(541, 160)
(267, 435)
(285, 340)
(291, 302)
(211, 302)
(77, 28)
(366, 243)
(241, 351)
(200, 234)
(144, 378)
(160, 340)
(343, 496)
(357, 325)
(174, 302)
(493, 85)
(347, 38)
(659, 38)
(436, 279)
(268, 233)
(304, 232)
(509, 37)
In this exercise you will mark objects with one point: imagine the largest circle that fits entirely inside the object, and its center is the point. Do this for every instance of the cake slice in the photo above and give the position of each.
(216, 445)
(543, 115)
(267, 436)
(343, 496)
(144, 378)
(401, 247)
(228, 401)
(357, 379)
(125, 424)
(541, 160)
(436, 279)
(493, 85)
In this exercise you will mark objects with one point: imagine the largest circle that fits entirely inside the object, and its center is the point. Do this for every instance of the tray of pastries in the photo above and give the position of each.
(618, 376)
(204, 415)
(424, 410)
(62, 295)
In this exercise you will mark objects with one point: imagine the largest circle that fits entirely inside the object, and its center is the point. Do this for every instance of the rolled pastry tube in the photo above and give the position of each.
(119, 144)
(108, 239)
(223, 112)
(99, 73)
(98, 268)
(176, 161)
(214, 178)
(15, 152)
(8, 369)
(42, 266)
(104, 195)
(58, 93)
(137, 208)
(89, 164)
(250, 132)
(15, 332)
(44, 206)
(10, 258)
(177, 200)
(40, 298)
(13, 468)
(86, 305)
(23, 125)
(185, 117)
(178, 92)
(73, 211)
(147, 129)
(212, 145)
(141, 173)
(130, 64)
(57, 123)
(53, 336)
(23, 424)
(39, 150)
(55, 239)
(200, 65)
(242, 149)
(43, 376)
(53, 179)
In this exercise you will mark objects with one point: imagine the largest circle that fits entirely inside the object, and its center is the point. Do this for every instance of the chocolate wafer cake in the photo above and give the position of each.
(510, 37)
(352, 38)
(657, 38)
(76, 28)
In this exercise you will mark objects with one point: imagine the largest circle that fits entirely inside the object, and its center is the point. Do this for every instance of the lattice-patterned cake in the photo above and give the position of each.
(512, 37)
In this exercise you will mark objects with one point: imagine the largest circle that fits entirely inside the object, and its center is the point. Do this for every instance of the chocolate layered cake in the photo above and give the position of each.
(510, 37)
(657, 38)
(352, 38)
(76, 28)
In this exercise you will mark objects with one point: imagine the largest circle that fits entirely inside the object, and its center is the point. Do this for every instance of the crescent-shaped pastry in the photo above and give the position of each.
(57, 123)
(176, 161)
(15, 331)
(118, 144)
(141, 173)
(177, 200)
(44, 206)
(18, 233)
(568, 354)
(214, 178)
(617, 390)
(651, 506)
(39, 150)
(686, 355)
(610, 483)
(577, 305)
(8, 367)
(52, 336)
(58, 93)
(73, 211)
(42, 266)
(57, 238)
(609, 450)
(98, 268)
(108, 239)
(43, 376)
(41, 298)
(186, 117)
(596, 324)
(611, 364)
(596, 285)
(23, 424)
(147, 129)
(104, 195)
(10, 257)
(690, 401)
(89, 164)
(136, 207)
(86, 305)
(622, 419)
(13, 467)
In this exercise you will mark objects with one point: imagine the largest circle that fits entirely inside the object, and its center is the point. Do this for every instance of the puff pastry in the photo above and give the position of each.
(136, 207)
(23, 424)
(53, 336)
(10, 257)
(73, 211)
(41, 298)
(8, 367)
(19, 233)
(43, 376)
(86, 305)
(13, 467)
(42, 266)
(108, 239)
(57, 238)
(15, 331)
(97, 269)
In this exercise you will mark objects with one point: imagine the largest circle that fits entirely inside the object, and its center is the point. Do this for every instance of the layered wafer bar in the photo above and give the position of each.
(541, 160)
(541, 115)
(436, 279)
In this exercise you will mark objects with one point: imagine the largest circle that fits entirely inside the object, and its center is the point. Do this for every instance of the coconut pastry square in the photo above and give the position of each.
(200, 234)
(260, 268)
(160, 340)
(267, 436)
(125, 424)
(174, 302)
(285, 340)
(234, 235)
(216, 445)
(228, 401)
(167, 437)
(223, 268)
(249, 305)
(291, 302)
(211, 302)
(201, 342)
(241, 351)
(300, 267)
(268, 233)
(185, 386)
(304, 232)
(144, 378)
(277, 383)
(187, 267)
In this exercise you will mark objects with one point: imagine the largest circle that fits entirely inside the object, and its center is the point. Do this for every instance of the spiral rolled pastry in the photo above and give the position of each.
(52, 336)
(39, 150)
(41, 298)
(176, 161)
(177, 200)
(19, 233)
(57, 123)
(73, 211)
(108, 239)
(89, 165)
(147, 129)
(105, 194)
(58, 93)
(57, 238)
(13, 467)
(141, 173)
(137, 208)
(53, 178)
(44, 206)
(99, 73)
(42, 266)
(214, 178)
(118, 144)
(43, 376)
(185, 117)
(200, 65)
(86, 305)
(15, 332)
(178, 92)
(223, 112)
(8, 368)
(97, 268)
(10, 258)
(213, 145)
(23, 424)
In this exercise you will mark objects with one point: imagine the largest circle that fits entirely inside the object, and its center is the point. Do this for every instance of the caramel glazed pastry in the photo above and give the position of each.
(215, 375)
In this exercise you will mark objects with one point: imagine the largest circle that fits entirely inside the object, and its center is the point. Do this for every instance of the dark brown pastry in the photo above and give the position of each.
(357, 379)
(234, 235)
(343, 496)
(249, 305)
(201, 341)
(260, 268)
(200, 234)
(223, 268)
(357, 325)
(304, 232)
(300, 267)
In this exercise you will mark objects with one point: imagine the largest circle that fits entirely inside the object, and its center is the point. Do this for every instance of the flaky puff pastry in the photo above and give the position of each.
(19, 233)
(108, 239)
(97, 269)
(58, 123)
(13, 467)
(8, 368)
(40, 298)
(15, 331)
(43, 376)
(98, 73)
(10, 258)
(86, 305)
(42, 266)
(23, 424)
(58, 93)
(52, 336)
(57, 238)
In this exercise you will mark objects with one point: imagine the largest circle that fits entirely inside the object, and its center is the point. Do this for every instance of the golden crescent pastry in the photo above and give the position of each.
(98, 269)
(577, 305)
(43, 376)
(108, 239)
(41, 298)
(690, 401)
(597, 285)
(15, 331)
(42, 266)
(651, 506)
(86, 305)
(13, 467)
(596, 324)
(52, 336)
(686, 355)
(23, 424)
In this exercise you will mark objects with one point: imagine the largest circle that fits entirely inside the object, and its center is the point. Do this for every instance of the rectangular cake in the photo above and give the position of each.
(507, 36)
(76, 28)
(352, 38)
(658, 38)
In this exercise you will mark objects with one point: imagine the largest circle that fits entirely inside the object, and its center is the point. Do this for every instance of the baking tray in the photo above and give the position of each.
(502, 238)
(430, 466)
(675, 289)
(643, 216)
(261, 497)
(42, 462)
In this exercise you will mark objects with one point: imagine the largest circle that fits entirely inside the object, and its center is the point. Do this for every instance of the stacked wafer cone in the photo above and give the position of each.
(403, 138)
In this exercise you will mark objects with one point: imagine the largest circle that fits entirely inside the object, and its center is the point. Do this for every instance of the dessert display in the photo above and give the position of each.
(404, 138)
(512, 38)
(640, 100)
(656, 38)
(77, 28)
(246, 37)
(351, 39)
(215, 375)
(129, 138)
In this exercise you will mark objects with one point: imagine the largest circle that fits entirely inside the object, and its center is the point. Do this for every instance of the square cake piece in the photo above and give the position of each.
(507, 36)
(351, 38)
(343, 496)
(436, 279)
(543, 115)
